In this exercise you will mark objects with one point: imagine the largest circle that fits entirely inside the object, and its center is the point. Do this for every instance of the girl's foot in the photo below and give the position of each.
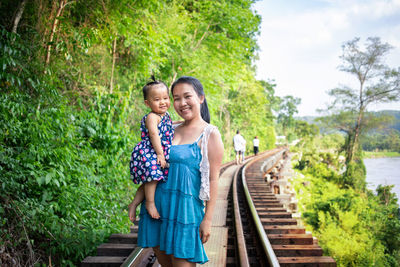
(132, 211)
(152, 210)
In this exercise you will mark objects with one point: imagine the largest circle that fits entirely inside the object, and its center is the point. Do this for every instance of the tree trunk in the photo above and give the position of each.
(113, 65)
(18, 15)
(51, 18)
(353, 140)
(53, 30)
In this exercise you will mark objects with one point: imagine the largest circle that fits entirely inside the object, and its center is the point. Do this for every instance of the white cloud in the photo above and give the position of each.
(300, 49)
(375, 9)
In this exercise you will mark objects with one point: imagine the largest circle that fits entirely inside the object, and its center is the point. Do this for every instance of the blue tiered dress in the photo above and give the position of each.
(181, 210)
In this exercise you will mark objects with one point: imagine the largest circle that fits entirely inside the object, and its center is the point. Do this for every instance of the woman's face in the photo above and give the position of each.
(186, 101)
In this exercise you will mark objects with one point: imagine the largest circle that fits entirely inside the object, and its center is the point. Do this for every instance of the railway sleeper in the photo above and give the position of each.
(261, 198)
(284, 229)
(270, 209)
(123, 238)
(269, 205)
(115, 249)
(297, 250)
(290, 239)
(266, 214)
(322, 261)
(102, 261)
(278, 221)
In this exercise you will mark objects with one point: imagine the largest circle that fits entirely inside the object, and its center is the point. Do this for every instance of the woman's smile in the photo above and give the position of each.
(186, 101)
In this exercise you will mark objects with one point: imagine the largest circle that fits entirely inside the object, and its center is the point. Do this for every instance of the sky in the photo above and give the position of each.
(301, 40)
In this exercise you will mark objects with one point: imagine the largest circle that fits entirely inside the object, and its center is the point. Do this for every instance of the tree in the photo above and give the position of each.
(287, 109)
(377, 83)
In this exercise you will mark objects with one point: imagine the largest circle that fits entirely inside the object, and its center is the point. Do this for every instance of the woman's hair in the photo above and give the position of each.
(198, 87)
(150, 84)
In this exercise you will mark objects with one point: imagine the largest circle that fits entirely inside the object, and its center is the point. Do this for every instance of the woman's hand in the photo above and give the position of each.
(205, 230)
(161, 161)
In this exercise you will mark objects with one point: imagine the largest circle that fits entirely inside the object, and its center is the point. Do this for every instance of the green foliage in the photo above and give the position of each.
(69, 124)
(354, 226)
(380, 154)
(355, 229)
(389, 141)
(355, 175)
(64, 185)
(61, 173)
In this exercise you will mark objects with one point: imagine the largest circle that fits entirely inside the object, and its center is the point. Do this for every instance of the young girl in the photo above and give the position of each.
(149, 157)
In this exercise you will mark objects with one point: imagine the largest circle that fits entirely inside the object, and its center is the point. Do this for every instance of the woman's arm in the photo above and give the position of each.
(152, 122)
(215, 158)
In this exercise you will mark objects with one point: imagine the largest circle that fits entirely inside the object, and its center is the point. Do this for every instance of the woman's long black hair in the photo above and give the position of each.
(198, 87)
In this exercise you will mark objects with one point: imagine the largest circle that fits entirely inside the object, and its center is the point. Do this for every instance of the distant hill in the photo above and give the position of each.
(394, 113)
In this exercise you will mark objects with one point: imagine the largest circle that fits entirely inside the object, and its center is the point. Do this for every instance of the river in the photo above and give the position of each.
(385, 171)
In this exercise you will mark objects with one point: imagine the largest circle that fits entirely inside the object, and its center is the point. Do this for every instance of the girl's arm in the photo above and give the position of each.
(215, 158)
(152, 122)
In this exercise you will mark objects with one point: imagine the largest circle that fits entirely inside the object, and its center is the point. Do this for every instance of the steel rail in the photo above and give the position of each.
(135, 254)
(241, 242)
(266, 245)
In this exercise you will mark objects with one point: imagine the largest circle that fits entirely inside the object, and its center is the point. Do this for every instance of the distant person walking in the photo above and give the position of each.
(239, 144)
(256, 144)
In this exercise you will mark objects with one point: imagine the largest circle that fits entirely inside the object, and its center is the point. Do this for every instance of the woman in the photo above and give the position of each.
(178, 236)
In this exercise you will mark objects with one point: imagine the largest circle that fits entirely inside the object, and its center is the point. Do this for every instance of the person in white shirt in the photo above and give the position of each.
(256, 144)
(239, 144)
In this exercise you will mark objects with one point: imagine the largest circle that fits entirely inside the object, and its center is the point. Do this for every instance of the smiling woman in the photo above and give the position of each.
(186, 88)
(178, 236)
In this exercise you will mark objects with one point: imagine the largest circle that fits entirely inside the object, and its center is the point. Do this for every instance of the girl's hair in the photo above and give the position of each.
(198, 87)
(149, 85)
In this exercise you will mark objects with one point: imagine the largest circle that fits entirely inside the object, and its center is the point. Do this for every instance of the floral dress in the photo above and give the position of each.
(143, 164)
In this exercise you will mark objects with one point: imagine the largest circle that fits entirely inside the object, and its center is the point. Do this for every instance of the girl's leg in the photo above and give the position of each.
(176, 262)
(149, 190)
(139, 196)
(164, 259)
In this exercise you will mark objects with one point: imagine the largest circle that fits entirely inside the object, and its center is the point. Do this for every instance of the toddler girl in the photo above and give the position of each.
(149, 157)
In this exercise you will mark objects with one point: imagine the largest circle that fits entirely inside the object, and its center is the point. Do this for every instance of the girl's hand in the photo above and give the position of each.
(161, 161)
(205, 230)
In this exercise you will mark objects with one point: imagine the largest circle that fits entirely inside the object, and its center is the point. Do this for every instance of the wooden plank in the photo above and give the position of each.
(102, 261)
(297, 250)
(294, 239)
(278, 221)
(284, 229)
(322, 261)
(269, 214)
(115, 249)
(216, 247)
(123, 238)
(219, 216)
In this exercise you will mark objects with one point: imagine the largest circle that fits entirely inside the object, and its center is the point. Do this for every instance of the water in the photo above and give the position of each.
(384, 171)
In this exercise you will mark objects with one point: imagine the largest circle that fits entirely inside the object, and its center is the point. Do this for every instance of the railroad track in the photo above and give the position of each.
(266, 234)
(261, 232)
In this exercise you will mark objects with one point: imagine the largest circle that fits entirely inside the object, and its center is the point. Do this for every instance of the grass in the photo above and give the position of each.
(381, 154)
